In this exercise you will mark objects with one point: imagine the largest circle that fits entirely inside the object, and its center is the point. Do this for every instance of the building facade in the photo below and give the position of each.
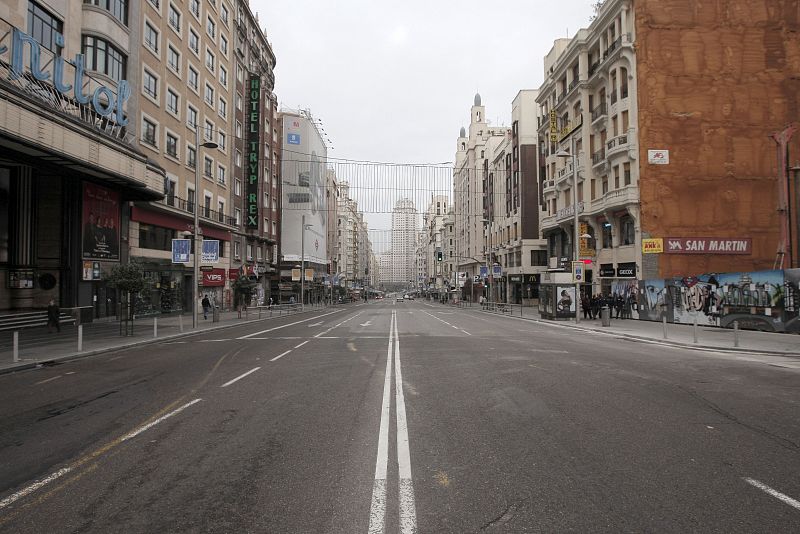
(70, 163)
(405, 227)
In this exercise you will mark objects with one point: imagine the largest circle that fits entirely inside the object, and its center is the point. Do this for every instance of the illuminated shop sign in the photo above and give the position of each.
(103, 100)
(253, 147)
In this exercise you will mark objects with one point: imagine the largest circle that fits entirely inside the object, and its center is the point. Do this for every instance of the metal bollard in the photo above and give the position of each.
(259, 312)
(735, 333)
(180, 321)
(155, 327)
(665, 326)
(695, 328)
(16, 347)
(80, 338)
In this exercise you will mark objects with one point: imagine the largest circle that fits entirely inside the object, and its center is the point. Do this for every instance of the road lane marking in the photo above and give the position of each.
(408, 511)
(334, 327)
(775, 493)
(33, 487)
(254, 334)
(46, 380)
(466, 332)
(301, 344)
(368, 323)
(377, 510)
(316, 324)
(281, 355)
(151, 424)
(228, 383)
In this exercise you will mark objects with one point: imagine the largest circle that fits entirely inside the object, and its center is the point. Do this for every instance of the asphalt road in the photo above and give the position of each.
(297, 424)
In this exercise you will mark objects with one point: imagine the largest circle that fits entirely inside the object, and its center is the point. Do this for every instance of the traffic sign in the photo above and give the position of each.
(578, 272)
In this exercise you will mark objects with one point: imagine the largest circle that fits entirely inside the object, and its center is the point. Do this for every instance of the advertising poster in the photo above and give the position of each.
(565, 303)
(304, 166)
(100, 223)
(653, 300)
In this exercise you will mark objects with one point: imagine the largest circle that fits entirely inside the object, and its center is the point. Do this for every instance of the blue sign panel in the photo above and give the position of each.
(497, 270)
(210, 251)
(181, 248)
(484, 271)
(293, 139)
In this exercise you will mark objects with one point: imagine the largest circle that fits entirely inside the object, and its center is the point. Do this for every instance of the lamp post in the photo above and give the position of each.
(196, 229)
(303, 264)
(571, 154)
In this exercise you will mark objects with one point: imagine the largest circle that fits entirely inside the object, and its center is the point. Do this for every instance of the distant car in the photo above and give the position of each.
(379, 297)
(399, 299)
(409, 297)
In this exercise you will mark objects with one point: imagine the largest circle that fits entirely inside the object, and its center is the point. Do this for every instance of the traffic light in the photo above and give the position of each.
(439, 256)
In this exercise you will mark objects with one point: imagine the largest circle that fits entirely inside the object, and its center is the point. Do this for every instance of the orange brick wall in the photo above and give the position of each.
(715, 79)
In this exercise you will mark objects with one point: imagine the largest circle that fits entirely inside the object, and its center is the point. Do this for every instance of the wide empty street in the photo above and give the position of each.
(402, 417)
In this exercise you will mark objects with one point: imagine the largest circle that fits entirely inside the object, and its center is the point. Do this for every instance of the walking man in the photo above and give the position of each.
(53, 314)
(206, 306)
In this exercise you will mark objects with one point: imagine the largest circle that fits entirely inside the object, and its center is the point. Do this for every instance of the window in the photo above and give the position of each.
(156, 3)
(237, 187)
(149, 132)
(223, 76)
(221, 139)
(155, 237)
(627, 231)
(221, 174)
(238, 158)
(210, 60)
(190, 199)
(172, 102)
(193, 78)
(259, 249)
(274, 228)
(207, 207)
(194, 7)
(239, 73)
(174, 18)
(117, 8)
(211, 28)
(223, 45)
(208, 167)
(249, 252)
(191, 156)
(208, 134)
(174, 59)
(151, 37)
(239, 130)
(209, 95)
(43, 27)
(607, 240)
(538, 257)
(223, 14)
(191, 117)
(150, 85)
(102, 56)
(237, 216)
(172, 145)
(239, 101)
(237, 249)
(221, 208)
(223, 108)
(194, 41)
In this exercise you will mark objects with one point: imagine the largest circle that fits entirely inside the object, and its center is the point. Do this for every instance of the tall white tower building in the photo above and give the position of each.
(404, 239)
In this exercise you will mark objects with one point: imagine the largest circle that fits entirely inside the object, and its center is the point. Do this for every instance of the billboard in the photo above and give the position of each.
(303, 191)
(100, 223)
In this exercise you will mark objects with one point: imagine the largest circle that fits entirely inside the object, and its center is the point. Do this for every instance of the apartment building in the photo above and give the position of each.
(431, 245)
(355, 259)
(255, 194)
(405, 227)
(70, 163)
(684, 162)
(182, 71)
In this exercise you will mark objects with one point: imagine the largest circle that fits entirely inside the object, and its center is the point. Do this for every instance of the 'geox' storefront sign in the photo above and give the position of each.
(253, 150)
(66, 88)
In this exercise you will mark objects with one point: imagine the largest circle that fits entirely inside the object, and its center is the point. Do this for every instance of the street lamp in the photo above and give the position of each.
(303, 264)
(196, 229)
(571, 154)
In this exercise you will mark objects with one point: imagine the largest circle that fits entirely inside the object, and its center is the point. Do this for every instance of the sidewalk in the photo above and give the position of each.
(37, 346)
(677, 334)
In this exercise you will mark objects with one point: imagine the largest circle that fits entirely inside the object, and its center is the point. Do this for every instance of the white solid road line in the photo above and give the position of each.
(279, 356)
(151, 424)
(377, 510)
(334, 327)
(229, 382)
(301, 344)
(408, 510)
(33, 487)
(287, 325)
(775, 493)
(46, 380)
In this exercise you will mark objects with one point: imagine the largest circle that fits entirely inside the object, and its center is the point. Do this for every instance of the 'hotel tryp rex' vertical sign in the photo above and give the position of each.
(253, 150)
(103, 100)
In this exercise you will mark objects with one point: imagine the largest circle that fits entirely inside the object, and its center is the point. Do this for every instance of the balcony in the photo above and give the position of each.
(186, 206)
(599, 157)
(617, 144)
(617, 198)
(599, 112)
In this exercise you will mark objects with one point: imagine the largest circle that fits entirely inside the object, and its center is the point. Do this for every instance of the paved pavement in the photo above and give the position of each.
(403, 417)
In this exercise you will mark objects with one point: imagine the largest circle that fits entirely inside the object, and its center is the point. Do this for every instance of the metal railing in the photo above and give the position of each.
(599, 156)
(599, 111)
(206, 213)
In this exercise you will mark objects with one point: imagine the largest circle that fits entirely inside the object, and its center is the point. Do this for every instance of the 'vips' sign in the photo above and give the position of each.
(707, 245)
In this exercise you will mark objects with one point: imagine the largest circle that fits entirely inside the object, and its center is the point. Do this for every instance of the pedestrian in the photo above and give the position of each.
(618, 305)
(53, 314)
(206, 306)
(482, 301)
(270, 303)
(587, 306)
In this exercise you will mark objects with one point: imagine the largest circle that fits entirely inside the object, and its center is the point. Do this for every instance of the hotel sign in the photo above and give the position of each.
(553, 126)
(570, 127)
(52, 86)
(708, 245)
(253, 151)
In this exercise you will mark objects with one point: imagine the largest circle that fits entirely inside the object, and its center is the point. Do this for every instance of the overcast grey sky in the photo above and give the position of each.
(394, 82)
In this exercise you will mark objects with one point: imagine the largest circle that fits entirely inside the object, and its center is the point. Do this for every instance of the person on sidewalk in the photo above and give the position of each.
(206, 306)
(53, 314)
(586, 305)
